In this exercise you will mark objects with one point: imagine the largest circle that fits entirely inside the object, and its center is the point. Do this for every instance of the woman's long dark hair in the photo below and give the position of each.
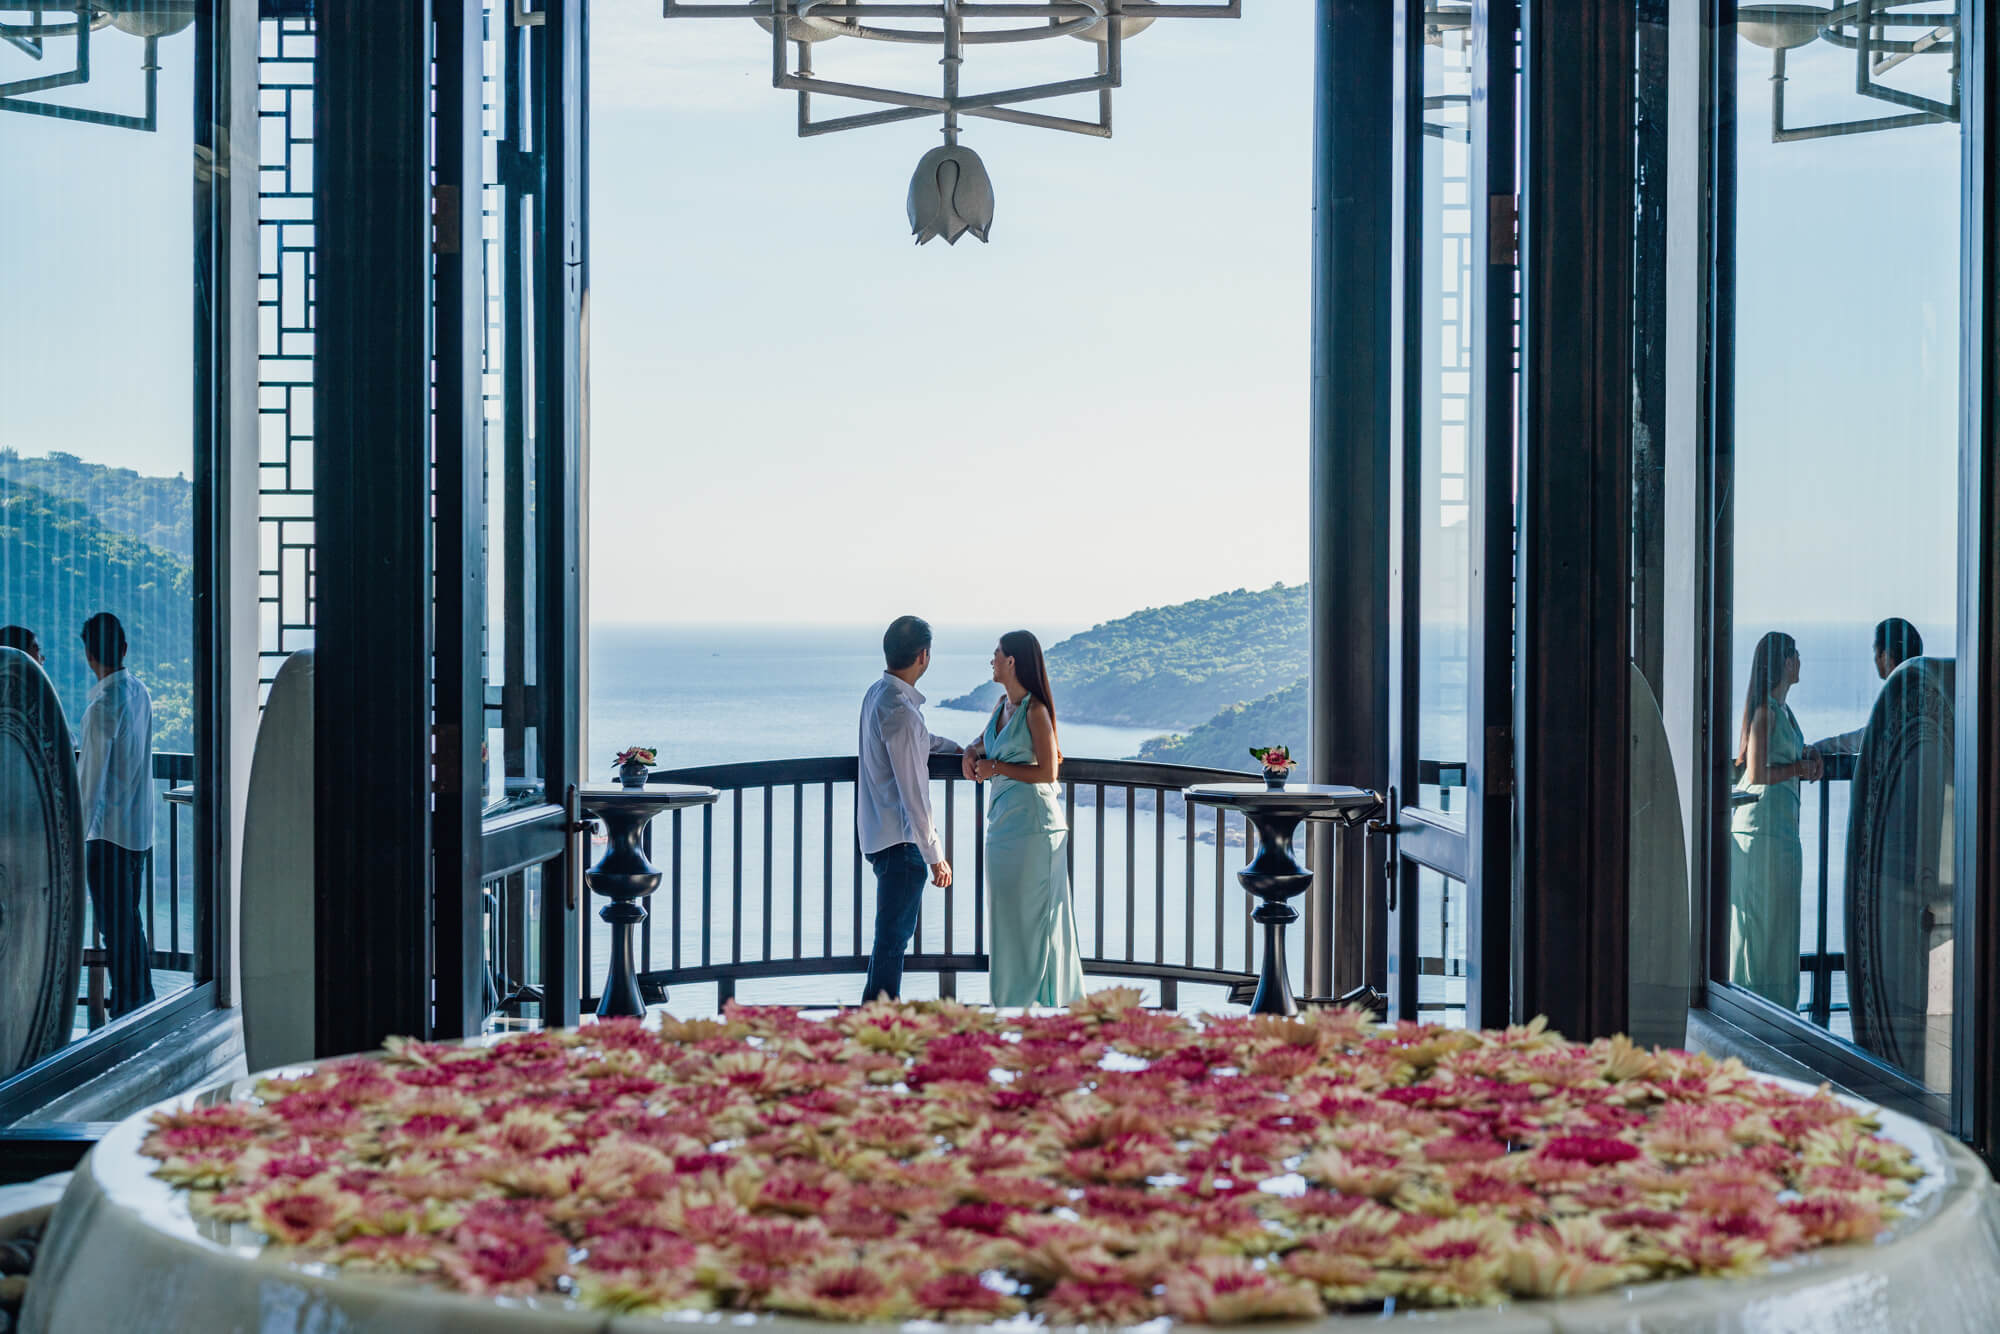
(1032, 669)
(1767, 669)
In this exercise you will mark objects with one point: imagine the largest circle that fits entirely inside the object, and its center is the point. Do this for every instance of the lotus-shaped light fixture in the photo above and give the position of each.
(950, 195)
(1779, 27)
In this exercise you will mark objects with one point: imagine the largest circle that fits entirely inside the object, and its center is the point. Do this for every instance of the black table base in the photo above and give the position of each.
(625, 876)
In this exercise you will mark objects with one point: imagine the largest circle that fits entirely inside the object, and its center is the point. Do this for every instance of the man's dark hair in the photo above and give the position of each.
(20, 637)
(1898, 641)
(904, 641)
(104, 640)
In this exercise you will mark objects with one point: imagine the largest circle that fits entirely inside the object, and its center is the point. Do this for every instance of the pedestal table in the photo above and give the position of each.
(624, 876)
(1274, 875)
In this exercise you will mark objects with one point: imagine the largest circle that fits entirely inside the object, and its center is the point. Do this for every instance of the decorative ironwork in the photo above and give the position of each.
(1882, 34)
(148, 20)
(950, 194)
(285, 298)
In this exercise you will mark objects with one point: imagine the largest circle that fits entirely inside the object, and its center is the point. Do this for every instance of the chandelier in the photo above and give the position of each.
(1883, 35)
(950, 194)
(27, 27)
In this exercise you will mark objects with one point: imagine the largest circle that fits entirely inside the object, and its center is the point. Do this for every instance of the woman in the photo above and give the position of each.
(1765, 864)
(1036, 957)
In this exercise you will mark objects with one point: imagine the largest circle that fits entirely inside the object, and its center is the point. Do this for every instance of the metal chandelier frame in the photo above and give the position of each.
(791, 20)
(1872, 30)
(83, 19)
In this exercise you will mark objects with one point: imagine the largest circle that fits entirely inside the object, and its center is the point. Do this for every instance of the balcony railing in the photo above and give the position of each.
(768, 886)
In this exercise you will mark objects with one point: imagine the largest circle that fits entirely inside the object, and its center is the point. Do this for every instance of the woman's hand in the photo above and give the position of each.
(1813, 766)
(966, 760)
(984, 769)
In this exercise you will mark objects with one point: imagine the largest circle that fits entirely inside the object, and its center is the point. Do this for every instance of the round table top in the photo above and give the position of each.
(1310, 798)
(651, 797)
(1936, 1268)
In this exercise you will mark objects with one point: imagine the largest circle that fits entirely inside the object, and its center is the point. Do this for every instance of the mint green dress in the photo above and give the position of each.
(1037, 959)
(1767, 874)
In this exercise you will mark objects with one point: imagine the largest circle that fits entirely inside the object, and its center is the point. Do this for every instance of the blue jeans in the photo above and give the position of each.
(900, 876)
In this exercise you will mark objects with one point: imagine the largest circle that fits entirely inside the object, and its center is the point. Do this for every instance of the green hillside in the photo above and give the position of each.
(1176, 667)
(59, 564)
(156, 510)
(1224, 741)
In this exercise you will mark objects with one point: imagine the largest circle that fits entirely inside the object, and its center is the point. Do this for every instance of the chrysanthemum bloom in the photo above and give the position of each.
(841, 1292)
(1699, 1247)
(1098, 1302)
(1366, 1172)
(401, 1253)
(1124, 1159)
(509, 1259)
(1835, 1220)
(963, 1297)
(1545, 1266)
(1342, 1278)
(301, 1213)
(1226, 1291)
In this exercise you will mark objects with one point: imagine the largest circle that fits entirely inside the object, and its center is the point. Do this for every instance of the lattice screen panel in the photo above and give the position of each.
(285, 299)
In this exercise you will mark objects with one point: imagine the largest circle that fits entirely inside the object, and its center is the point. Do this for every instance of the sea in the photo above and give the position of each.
(707, 694)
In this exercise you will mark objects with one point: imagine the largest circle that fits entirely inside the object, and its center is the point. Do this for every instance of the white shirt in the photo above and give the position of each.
(892, 800)
(116, 762)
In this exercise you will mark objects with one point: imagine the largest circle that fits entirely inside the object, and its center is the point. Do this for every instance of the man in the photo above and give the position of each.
(1896, 642)
(22, 638)
(115, 764)
(892, 801)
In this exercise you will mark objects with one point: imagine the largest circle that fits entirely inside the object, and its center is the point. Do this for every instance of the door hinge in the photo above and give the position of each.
(444, 219)
(1499, 775)
(1503, 230)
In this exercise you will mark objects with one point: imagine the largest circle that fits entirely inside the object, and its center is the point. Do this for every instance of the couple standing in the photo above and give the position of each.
(1035, 955)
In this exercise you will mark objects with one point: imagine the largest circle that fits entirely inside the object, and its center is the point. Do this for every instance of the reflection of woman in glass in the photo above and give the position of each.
(1765, 864)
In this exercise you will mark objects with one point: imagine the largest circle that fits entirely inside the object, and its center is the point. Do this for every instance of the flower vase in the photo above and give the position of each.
(633, 775)
(1275, 779)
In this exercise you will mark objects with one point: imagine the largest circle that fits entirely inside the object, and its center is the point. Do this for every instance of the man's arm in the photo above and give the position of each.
(903, 737)
(1847, 743)
(944, 745)
(93, 748)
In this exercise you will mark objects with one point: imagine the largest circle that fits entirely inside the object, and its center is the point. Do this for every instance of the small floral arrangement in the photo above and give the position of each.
(636, 755)
(1107, 1164)
(1275, 759)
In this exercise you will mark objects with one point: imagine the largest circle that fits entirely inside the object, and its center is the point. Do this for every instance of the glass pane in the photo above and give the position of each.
(97, 448)
(1444, 606)
(1441, 960)
(1845, 496)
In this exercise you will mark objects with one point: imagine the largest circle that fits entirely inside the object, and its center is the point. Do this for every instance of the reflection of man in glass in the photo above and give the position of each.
(116, 763)
(22, 638)
(1896, 642)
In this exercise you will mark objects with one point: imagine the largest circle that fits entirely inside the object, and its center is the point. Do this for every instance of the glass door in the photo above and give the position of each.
(511, 311)
(1451, 507)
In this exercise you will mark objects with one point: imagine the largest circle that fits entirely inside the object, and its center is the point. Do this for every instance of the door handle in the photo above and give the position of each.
(1386, 825)
(574, 826)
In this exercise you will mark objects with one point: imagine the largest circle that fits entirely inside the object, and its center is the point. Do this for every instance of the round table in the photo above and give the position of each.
(1935, 1269)
(1274, 875)
(626, 877)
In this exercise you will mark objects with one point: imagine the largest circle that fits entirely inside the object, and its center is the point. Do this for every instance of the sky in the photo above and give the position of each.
(1103, 409)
